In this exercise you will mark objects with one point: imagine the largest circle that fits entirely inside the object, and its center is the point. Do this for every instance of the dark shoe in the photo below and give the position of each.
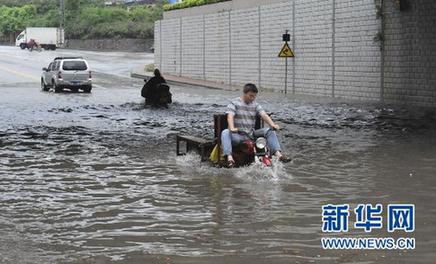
(284, 159)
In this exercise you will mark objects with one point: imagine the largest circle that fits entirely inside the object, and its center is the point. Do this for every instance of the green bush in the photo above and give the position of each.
(49, 19)
(15, 19)
(190, 3)
(149, 67)
(115, 22)
(84, 19)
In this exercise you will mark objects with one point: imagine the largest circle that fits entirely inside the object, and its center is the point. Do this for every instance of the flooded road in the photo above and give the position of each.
(93, 178)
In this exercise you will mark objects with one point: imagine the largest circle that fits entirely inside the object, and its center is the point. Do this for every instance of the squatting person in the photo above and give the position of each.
(156, 91)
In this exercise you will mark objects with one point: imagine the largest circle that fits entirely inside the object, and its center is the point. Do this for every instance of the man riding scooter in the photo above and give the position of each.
(241, 118)
(32, 44)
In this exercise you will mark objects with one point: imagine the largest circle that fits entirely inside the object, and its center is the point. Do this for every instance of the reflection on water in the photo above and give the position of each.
(93, 178)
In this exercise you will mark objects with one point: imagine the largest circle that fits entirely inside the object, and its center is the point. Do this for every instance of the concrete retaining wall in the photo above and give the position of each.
(410, 53)
(333, 41)
(217, 47)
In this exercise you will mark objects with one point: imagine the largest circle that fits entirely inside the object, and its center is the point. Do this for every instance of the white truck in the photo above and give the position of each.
(49, 38)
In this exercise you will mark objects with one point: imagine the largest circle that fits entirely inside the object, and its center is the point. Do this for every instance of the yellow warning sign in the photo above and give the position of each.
(286, 52)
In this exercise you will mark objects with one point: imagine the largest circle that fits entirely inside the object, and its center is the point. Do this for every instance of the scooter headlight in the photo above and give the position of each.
(261, 143)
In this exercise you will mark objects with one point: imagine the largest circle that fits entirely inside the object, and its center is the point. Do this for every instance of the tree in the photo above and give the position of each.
(84, 19)
(15, 19)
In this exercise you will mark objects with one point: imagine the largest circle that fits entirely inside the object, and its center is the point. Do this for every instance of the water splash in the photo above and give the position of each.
(256, 172)
(191, 163)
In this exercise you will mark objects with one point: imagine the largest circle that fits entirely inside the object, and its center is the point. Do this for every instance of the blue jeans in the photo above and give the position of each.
(229, 139)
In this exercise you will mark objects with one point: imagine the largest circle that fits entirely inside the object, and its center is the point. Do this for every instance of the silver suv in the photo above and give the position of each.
(67, 72)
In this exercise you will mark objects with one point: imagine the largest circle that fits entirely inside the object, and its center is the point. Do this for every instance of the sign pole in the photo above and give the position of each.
(286, 53)
(286, 76)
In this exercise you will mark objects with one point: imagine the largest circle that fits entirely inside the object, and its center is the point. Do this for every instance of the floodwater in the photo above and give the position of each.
(93, 178)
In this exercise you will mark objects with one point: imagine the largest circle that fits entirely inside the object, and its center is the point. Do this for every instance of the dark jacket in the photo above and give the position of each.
(150, 87)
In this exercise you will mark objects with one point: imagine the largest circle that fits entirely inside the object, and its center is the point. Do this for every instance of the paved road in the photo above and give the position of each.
(25, 64)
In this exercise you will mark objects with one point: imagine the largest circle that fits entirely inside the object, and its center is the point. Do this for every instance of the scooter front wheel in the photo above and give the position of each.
(267, 161)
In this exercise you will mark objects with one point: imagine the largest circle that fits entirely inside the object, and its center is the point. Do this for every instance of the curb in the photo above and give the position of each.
(141, 74)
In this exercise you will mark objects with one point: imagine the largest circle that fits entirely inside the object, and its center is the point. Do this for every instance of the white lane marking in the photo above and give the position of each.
(22, 74)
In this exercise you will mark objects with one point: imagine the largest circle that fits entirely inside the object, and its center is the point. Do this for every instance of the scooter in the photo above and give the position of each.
(160, 96)
(33, 45)
(254, 149)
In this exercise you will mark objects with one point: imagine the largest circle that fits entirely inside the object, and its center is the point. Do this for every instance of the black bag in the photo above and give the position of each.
(144, 91)
(165, 97)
